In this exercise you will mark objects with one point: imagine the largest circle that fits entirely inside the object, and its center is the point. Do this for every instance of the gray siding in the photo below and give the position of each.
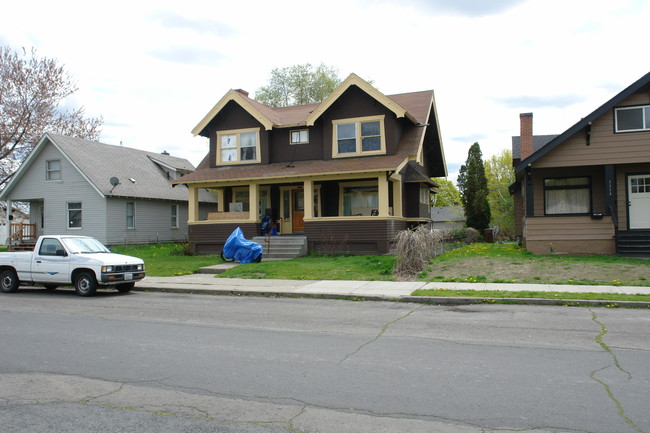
(56, 194)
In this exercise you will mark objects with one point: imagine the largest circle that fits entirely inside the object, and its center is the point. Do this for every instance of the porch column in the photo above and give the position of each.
(254, 201)
(530, 199)
(610, 192)
(221, 200)
(9, 218)
(193, 204)
(382, 188)
(309, 199)
(397, 198)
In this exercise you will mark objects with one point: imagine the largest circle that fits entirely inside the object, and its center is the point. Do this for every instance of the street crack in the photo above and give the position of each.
(375, 338)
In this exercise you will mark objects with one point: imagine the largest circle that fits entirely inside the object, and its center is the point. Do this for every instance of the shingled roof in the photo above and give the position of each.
(141, 174)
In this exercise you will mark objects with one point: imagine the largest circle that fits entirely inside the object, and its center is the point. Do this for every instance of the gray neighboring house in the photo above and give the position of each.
(115, 194)
(447, 218)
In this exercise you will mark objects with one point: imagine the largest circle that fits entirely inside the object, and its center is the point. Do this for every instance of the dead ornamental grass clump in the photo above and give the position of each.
(414, 248)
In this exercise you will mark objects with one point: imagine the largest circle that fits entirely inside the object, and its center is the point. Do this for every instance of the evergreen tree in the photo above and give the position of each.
(472, 184)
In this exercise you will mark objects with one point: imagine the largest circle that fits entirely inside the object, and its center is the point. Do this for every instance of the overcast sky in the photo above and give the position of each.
(153, 69)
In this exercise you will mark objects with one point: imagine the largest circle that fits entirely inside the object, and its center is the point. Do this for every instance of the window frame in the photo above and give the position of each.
(68, 210)
(425, 199)
(49, 171)
(174, 217)
(357, 121)
(238, 147)
(132, 216)
(588, 186)
(299, 131)
(645, 116)
(363, 184)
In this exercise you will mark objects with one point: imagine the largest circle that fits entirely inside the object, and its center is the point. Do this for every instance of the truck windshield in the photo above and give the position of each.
(84, 245)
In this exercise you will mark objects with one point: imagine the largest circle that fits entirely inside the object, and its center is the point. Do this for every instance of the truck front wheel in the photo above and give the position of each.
(8, 281)
(85, 284)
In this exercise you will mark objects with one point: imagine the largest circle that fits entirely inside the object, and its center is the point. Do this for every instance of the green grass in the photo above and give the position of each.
(316, 267)
(166, 260)
(529, 294)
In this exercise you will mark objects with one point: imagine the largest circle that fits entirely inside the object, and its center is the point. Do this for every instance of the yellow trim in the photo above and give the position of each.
(239, 99)
(238, 132)
(342, 186)
(357, 122)
(355, 80)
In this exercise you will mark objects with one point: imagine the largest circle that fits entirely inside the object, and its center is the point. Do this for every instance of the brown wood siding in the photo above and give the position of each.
(621, 190)
(572, 235)
(356, 103)
(606, 147)
(411, 200)
(281, 150)
(596, 174)
(209, 238)
(372, 236)
(233, 116)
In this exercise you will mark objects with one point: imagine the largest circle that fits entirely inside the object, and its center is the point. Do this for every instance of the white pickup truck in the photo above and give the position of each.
(69, 260)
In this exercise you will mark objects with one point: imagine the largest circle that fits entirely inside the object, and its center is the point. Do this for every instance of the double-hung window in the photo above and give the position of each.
(358, 136)
(53, 169)
(632, 119)
(174, 216)
(74, 215)
(238, 147)
(130, 215)
(567, 196)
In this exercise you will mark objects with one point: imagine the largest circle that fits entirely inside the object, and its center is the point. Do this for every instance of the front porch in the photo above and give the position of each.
(337, 214)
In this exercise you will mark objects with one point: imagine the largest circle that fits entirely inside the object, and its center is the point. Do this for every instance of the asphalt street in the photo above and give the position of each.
(163, 362)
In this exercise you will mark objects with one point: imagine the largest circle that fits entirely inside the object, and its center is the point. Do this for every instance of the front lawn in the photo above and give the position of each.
(167, 260)
(508, 263)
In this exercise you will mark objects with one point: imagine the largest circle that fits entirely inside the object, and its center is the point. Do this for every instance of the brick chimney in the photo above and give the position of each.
(525, 135)
(242, 91)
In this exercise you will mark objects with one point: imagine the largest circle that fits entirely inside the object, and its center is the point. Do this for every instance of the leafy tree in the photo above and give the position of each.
(32, 90)
(500, 174)
(298, 85)
(472, 184)
(447, 194)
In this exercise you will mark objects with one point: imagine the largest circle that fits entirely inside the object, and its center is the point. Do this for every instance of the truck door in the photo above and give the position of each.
(51, 263)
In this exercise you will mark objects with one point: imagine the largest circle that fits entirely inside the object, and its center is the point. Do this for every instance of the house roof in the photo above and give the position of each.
(539, 141)
(586, 121)
(407, 105)
(141, 174)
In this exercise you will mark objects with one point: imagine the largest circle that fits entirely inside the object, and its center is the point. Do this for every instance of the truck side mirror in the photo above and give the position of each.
(61, 253)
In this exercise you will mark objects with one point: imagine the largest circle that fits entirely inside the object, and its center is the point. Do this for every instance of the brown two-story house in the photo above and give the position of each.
(352, 170)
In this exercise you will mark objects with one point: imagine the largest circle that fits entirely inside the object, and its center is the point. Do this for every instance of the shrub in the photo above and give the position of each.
(182, 249)
(414, 248)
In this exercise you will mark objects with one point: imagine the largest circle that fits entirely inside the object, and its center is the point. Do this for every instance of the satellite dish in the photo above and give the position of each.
(115, 182)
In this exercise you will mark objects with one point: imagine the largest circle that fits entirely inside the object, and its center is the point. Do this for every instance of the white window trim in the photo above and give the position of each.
(67, 214)
(127, 216)
(298, 142)
(48, 171)
(636, 107)
(238, 132)
(358, 121)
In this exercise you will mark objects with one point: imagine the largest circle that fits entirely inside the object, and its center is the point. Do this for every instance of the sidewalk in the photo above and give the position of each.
(371, 290)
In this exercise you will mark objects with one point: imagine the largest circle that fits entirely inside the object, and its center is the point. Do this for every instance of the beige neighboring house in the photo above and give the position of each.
(587, 190)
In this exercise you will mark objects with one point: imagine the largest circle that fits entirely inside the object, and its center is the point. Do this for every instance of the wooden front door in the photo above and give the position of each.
(297, 210)
(639, 201)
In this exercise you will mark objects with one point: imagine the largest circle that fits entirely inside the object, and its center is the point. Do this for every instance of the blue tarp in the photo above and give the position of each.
(240, 249)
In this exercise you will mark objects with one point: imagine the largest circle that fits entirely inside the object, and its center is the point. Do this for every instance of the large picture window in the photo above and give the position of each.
(630, 119)
(567, 196)
(360, 136)
(360, 200)
(74, 215)
(238, 147)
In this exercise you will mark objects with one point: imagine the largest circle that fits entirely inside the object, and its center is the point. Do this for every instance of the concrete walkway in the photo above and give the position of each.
(370, 290)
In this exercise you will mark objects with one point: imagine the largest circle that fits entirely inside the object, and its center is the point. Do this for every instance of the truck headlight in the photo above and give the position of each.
(106, 269)
(141, 267)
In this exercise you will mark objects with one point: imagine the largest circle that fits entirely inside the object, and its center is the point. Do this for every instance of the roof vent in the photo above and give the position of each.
(164, 152)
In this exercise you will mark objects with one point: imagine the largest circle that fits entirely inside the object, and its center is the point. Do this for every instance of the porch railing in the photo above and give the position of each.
(21, 232)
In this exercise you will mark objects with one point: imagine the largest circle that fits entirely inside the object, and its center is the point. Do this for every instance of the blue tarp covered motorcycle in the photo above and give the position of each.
(240, 249)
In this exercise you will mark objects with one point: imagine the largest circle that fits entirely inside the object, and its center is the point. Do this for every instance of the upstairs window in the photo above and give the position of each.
(300, 137)
(631, 119)
(238, 147)
(359, 136)
(567, 196)
(53, 170)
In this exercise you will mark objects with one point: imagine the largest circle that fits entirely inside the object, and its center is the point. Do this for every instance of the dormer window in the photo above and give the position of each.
(238, 147)
(632, 119)
(358, 136)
